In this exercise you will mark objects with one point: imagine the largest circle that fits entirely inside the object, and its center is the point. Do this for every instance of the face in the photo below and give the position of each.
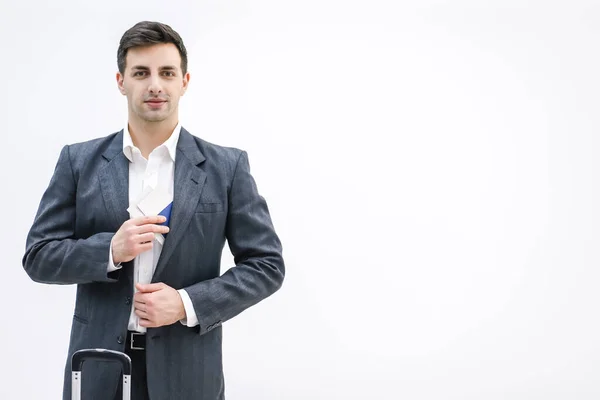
(153, 82)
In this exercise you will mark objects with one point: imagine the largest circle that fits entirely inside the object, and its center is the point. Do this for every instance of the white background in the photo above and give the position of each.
(431, 168)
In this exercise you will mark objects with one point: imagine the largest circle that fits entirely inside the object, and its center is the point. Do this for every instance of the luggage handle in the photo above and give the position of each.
(99, 354)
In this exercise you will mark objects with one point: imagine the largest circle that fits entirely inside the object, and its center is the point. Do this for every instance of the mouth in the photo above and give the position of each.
(155, 103)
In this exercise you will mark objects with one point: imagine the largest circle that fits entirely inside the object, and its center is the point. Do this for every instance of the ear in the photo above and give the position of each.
(186, 82)
(120, 83)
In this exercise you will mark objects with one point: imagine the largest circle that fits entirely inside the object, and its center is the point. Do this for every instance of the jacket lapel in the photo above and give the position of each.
(189, 181)
(114, 181)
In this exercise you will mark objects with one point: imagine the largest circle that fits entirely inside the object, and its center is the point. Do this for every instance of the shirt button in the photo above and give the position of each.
(120, 340)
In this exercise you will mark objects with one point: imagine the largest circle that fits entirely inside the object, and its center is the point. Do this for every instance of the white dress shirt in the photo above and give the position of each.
(157, 172)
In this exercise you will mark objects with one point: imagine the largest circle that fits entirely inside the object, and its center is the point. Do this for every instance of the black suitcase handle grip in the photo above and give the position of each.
(100, 354)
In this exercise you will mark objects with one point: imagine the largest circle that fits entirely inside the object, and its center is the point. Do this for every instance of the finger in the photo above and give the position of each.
(144, 238)
(142, 247)
(149, 288)
(160, 228)
(142, 314)
(138, 305)
(152, 228)
(146, 323)
(149, 219)
(141, 297)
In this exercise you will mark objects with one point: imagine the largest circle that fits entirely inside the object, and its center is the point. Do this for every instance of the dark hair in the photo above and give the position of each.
(147, 33)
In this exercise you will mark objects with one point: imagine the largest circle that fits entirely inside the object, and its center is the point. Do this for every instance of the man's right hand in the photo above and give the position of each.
(136, 236)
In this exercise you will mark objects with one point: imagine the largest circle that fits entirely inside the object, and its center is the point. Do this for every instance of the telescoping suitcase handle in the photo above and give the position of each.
(99, 354)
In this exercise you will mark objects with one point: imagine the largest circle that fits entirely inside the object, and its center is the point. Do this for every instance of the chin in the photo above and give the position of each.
(152, 117)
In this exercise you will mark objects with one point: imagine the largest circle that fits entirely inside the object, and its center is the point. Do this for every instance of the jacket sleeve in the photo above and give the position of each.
(259, 267)
(53, 254)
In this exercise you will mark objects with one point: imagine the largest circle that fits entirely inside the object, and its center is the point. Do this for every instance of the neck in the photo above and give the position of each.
(147, 136)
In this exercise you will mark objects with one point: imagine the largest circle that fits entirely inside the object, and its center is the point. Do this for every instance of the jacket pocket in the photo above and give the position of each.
(209, 207)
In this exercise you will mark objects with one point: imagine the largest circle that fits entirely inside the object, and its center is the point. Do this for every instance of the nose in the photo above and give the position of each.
(155, 86)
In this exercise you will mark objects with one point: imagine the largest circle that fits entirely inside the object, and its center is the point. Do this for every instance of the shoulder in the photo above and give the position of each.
(223, 157)
(90, 148)
(216, 151)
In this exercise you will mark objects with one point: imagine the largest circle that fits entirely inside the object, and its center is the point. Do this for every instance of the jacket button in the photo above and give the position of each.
(128, 301)
(120, 340)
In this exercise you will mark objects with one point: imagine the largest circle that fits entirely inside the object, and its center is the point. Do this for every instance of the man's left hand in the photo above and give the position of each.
(158, 304)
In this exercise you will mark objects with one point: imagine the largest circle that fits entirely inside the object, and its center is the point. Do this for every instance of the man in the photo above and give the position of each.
(138, 220)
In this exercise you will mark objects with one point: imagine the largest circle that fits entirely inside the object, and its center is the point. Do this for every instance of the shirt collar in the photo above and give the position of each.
(170, 144)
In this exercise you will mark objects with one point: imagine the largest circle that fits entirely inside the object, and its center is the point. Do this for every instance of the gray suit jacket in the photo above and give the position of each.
(215, 199)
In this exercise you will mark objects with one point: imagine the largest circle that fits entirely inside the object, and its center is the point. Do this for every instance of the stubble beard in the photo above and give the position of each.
(154, 115)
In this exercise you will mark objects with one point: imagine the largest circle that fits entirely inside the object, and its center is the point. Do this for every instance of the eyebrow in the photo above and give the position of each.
(163, 68)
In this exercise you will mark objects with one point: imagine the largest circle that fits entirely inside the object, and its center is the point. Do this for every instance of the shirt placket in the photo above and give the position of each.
(149, 182)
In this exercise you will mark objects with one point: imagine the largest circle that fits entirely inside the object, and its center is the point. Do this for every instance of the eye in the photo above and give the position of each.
(139, 73)
(169, 73)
